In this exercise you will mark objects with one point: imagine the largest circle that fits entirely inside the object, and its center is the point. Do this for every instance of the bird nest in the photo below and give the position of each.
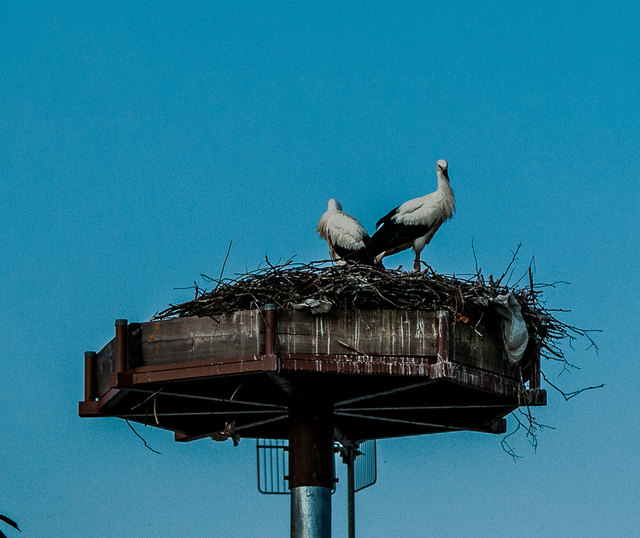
(291, 285)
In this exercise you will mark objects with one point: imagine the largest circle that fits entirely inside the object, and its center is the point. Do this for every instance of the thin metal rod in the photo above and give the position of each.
(414, 423)
(279, 443)
(203, 413)
(424, 407)
(207, 398)
(383, 393)
(400, 421)
(260, 423)
(351, 493)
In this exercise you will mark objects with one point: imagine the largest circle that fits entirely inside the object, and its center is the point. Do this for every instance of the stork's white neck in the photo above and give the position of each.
(445, 197)
(442, 177)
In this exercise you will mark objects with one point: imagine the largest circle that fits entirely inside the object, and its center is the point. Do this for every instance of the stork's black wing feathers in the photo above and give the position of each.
(358, 255)
(387, 217)
(392, 234)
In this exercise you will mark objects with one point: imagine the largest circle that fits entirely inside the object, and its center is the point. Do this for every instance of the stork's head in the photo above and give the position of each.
(334, 205)
(441, 167)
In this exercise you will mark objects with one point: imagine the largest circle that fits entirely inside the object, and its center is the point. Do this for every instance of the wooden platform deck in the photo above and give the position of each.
(385, 373)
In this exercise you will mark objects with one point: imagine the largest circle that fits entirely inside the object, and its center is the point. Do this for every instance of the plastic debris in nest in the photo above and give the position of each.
(514, 329)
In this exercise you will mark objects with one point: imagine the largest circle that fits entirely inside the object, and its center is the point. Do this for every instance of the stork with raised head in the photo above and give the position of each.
(346, 237)
(414, 223)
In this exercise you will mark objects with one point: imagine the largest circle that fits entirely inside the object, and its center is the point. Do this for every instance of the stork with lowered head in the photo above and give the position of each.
(346, 237)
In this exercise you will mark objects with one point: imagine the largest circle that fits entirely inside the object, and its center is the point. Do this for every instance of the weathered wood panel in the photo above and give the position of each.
(105, 364)
(209, 368)
(351, 333)
(196, 339)
(480, 345)
(358, 332)
(357, 364)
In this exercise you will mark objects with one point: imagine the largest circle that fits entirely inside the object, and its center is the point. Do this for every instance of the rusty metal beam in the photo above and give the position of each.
(205, 398)
(89, 409)
(97, 408)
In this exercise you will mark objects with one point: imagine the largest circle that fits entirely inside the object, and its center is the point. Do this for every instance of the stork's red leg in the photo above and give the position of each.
(416, 263)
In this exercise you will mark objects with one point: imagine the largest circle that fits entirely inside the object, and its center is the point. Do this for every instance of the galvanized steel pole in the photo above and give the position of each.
(310, 512)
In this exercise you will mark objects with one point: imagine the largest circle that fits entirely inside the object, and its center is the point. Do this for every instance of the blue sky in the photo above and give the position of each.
(138, 139)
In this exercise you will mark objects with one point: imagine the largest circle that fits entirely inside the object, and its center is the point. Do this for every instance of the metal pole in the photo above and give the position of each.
(351, 494)
(90, 391)
(310, 512)
(121, 345)
(311, 469)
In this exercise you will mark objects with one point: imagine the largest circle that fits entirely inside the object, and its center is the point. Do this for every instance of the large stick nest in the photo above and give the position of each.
(366, 287)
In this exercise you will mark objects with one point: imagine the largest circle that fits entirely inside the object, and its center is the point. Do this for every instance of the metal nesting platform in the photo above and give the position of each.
(375, 373)
(347, 376)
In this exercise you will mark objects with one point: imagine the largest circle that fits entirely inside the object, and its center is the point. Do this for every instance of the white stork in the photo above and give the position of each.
(414, 223)
(346, 237)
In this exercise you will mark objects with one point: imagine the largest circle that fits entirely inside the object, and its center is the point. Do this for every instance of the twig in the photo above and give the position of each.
(224, 264)
(141, 438)
(475, 258)
(235, 391)
(513, 260)
(568, 395)
(147, 398)
(507, 447)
